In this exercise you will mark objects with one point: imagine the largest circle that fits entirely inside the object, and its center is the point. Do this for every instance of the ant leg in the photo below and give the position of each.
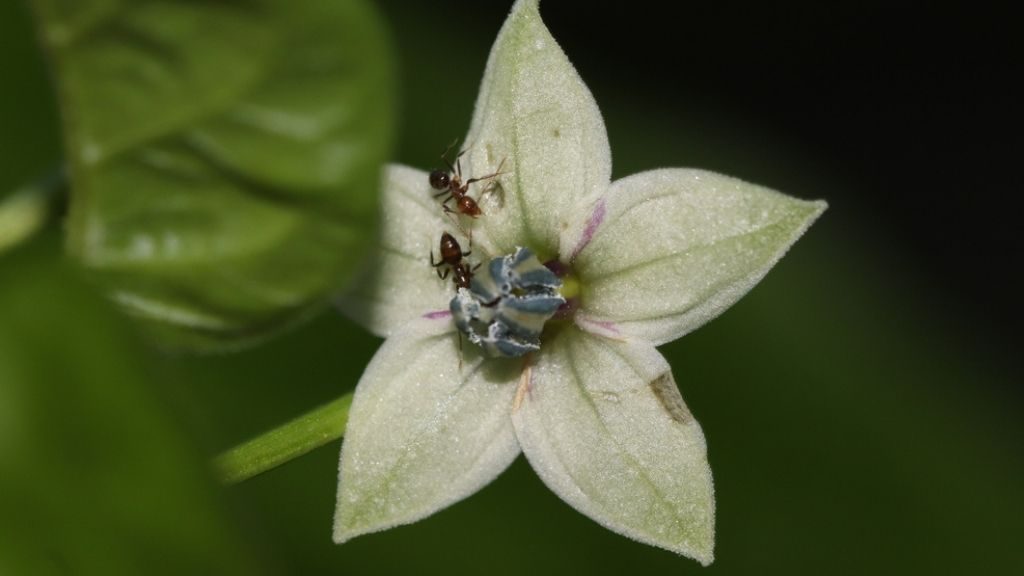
(489, 189)
(497, 172)
(458, 335)
(448, 210)
(458, 163)
(433, 264)
(449, 148)
(454, 215)
(493, 184)
(445, 275)
(444, 156)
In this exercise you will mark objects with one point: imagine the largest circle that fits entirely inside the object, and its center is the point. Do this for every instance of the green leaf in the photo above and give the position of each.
(95, 478)
(224, 156)
(27, 210)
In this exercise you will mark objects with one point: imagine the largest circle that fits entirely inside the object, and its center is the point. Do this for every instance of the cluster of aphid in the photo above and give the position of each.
(503, 309)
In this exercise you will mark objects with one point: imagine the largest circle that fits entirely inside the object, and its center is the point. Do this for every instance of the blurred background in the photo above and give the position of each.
(862, 405)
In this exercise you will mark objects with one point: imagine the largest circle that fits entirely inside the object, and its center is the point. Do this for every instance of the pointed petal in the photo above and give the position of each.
(667, 250)
(535, 113)
(423, 431)
(398, 283)
(604, 426)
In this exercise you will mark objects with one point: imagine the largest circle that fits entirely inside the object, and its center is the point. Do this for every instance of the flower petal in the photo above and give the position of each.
(535, 114)
(667, 250)
(424, 430)
(398, 283)
(603, 424)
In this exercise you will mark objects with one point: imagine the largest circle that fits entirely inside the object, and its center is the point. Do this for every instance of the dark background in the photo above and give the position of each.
(862, 405)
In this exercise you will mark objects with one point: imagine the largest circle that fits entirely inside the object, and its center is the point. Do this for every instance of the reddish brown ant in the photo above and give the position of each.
(450, 183)
(453, 257)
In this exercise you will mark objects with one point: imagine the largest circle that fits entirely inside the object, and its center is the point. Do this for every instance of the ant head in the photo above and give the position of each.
(440, 179)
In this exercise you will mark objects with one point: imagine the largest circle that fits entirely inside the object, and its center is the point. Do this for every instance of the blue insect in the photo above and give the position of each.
(506, 305)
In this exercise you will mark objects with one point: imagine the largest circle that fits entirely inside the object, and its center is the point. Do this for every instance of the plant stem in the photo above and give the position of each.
(28, 209)
(286, 442)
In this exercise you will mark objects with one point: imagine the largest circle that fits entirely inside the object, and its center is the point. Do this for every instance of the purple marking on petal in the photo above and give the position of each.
(605, 325)
(437, 314)
(596, 218)
(557, 268)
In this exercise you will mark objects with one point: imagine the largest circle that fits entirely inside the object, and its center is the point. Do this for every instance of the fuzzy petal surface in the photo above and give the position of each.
(424, 431)
(604, 426)
(399, 284)
(667, 250)
(535, 113)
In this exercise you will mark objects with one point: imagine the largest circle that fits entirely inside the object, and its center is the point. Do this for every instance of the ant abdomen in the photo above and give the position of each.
(453, 257)
(468, 206)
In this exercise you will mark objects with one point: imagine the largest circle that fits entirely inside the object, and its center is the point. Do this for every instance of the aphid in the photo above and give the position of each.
(450, 183)
(453, 257)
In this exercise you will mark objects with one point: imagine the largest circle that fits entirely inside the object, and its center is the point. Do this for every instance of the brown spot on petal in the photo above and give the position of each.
(664, 387)
(525, 387)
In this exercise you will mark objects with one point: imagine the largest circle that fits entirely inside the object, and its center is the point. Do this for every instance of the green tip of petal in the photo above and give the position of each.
(349, 523)
(817, 208)
(536, 119)
(525, 5)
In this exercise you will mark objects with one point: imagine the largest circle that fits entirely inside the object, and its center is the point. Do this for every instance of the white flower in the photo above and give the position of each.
(596, 411)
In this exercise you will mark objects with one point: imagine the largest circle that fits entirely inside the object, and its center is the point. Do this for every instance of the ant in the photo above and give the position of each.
(453, 257)
(462, 274)
(450, 183)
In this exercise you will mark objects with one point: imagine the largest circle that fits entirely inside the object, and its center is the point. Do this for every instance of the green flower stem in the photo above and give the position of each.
(28, 209)
(286, 442)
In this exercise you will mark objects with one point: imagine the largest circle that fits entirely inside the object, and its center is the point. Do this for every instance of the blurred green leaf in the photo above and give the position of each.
(27, 210)
(94, 476)
(223, 156)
